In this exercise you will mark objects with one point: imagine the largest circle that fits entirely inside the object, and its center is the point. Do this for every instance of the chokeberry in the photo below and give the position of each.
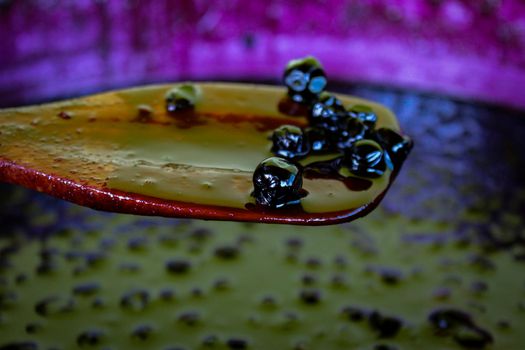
(181, 98)
(366, 158)
(397, 146)
(277, 182)
(352, 130)
(290, 142)
(319, 140)
(327, 113)
(364, 114)
(305, 79)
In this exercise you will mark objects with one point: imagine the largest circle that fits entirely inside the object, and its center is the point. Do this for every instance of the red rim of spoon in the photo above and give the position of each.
(132, 203)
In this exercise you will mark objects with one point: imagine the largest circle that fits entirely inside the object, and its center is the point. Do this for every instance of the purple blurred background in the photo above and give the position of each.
(466, 49)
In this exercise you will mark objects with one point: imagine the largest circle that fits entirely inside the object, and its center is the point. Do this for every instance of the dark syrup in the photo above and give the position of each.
(329, 170)
(288, 106)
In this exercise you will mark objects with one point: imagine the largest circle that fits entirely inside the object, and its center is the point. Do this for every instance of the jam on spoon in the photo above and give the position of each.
(193, 150)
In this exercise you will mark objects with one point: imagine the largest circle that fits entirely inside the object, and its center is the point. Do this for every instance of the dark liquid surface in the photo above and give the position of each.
(459, 199)
(330, 170)
(289, 107)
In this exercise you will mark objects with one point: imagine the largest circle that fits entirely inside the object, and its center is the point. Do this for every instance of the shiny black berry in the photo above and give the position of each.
(305, 79)
(398, 146)
(366, 158)
(328, 113)
(290, 142)
(352, 130)
(277, 182)
(365, 114)
(319, 140)
(181, 98)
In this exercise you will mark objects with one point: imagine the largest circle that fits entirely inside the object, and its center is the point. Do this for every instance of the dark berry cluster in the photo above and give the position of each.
(350, 133)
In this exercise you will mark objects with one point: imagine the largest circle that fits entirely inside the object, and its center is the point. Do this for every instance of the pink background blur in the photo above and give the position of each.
(466, 49)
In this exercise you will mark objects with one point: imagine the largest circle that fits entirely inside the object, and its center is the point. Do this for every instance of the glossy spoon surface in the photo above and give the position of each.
(121, 151)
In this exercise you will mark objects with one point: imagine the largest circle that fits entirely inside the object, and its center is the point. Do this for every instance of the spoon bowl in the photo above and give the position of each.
(121, 151)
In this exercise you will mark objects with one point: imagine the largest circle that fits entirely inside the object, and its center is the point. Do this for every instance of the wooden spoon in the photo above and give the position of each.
(121, 151)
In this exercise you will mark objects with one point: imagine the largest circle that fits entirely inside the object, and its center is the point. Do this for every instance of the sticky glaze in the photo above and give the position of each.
(107, 142)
